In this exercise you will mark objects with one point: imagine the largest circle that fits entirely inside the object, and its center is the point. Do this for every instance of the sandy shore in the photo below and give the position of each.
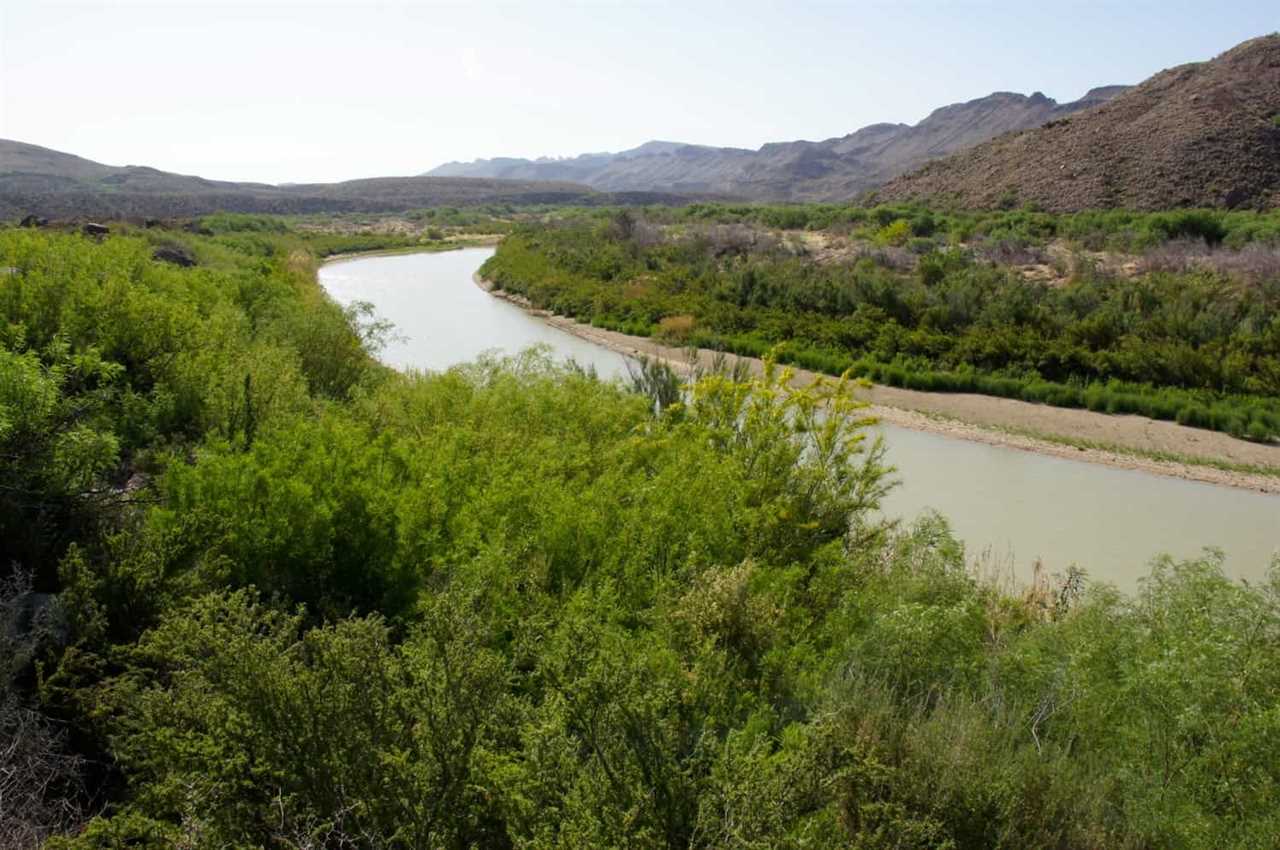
(1129, 442)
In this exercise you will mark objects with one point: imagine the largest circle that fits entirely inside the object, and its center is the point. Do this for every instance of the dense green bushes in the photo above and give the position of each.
(110, 358)
(512, 606)
(1119, 230)
(1197, 346)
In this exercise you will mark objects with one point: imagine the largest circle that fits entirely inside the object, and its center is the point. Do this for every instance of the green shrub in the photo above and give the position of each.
(895, 233)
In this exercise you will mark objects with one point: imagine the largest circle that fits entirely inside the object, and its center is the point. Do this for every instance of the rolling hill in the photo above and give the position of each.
(49, 183)
(1203, 134)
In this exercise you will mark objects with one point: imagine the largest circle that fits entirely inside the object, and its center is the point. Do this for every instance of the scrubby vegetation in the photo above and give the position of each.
(1113, 229)
(945, 301)
(262, 592)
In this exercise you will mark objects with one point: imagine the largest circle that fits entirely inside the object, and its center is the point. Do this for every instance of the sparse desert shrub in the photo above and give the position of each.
(647, 234)
(676, 329)
(40, 781)
(1256, 262)
(735, 240)
(1174, 256)
(887, 256)
(41, 791)
(626, 226)
(1010, 252)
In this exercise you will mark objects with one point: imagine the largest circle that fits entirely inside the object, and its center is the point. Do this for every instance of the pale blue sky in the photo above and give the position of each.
(292, 91)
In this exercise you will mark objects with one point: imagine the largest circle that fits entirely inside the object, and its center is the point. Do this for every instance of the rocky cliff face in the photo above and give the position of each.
(1205, 134)
(835, 169)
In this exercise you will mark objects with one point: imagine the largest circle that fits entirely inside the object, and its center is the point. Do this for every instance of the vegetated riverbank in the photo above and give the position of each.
(925, 305)
(1012, 510)
(1125, 441)
(231, 537)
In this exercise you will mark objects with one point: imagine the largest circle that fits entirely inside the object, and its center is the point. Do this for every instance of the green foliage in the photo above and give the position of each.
(350, 733)
(1197, 346)
(221, 223)
(109, 358)
(1118, 230)
(895, 233)
(513, 606)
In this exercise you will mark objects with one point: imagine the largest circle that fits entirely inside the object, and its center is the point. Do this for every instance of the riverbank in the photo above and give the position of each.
(452, 243)
(1124, 441)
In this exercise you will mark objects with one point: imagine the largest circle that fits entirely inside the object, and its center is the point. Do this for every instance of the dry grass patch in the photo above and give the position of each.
(676, 329)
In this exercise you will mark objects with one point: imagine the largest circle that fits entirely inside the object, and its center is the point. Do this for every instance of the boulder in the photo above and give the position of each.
(175, 254)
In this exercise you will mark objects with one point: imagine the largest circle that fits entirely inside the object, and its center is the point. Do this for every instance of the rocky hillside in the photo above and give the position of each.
(835, 169)
(43, 182)
(1205, 134)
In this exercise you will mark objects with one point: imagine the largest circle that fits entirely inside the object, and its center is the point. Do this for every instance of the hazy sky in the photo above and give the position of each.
(292, 91)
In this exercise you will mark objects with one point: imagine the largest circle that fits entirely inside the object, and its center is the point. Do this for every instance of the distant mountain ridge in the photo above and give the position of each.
(585, 163)
(834, 169)
(1202, 134)
(39, 181)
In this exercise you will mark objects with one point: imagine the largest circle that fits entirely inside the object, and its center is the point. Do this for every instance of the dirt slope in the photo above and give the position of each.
(1205, 134)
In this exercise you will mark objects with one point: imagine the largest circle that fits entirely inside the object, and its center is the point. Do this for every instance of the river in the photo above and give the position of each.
(1011, 507)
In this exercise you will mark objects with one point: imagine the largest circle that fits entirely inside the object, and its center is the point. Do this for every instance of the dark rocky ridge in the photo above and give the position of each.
(835, 169)
(1203, 134)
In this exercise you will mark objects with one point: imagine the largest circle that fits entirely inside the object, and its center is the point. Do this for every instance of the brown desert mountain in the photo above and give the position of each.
(832, 170)
(1204, 134)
